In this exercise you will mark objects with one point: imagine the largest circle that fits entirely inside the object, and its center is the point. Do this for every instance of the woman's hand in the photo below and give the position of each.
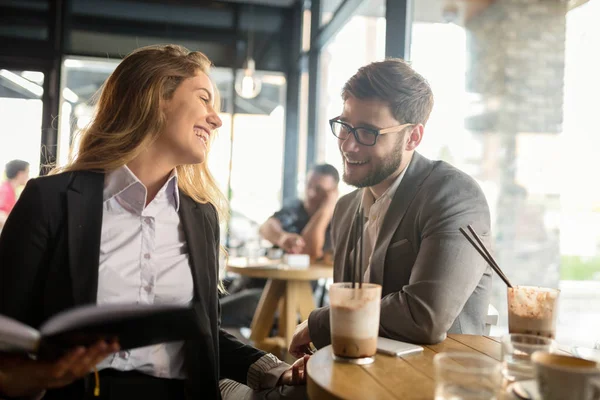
(296, 374)
(22, 376)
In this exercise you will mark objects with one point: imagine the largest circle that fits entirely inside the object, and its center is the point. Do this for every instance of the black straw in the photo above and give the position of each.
(483, 251)
(491, 258)
(354, 236)
(361, 225)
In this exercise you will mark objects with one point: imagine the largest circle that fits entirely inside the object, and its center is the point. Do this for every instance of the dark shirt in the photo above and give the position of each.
(293, 219)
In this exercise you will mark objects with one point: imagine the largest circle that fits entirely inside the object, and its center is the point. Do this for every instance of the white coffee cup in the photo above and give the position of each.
(562, 377)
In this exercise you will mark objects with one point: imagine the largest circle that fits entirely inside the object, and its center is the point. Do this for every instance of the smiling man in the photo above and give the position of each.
(433, 281)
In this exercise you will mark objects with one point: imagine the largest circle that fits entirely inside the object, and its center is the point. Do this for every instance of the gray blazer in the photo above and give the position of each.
(433, 281)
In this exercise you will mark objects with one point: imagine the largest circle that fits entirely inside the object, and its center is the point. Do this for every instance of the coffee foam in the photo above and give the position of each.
(358, 319)
(532, 302)
(346, 296)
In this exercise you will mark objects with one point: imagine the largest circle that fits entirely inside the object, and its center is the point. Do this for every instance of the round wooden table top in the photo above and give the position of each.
(409, 377)
(263, 267)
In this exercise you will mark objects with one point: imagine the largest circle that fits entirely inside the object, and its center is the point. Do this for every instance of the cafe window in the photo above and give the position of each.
(359, 42)
(81, 80)
(515, 107)
(21, 118)
(257, 157)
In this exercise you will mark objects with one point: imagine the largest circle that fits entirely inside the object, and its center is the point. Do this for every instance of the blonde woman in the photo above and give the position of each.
(134, 218)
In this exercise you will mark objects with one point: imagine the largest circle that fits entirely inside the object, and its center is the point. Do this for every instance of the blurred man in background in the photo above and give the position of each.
(301, 227)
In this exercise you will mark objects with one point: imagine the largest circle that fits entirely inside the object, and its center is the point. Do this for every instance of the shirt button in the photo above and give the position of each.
(148, 288)
(147, 256)
(148, 220)
(124, 355)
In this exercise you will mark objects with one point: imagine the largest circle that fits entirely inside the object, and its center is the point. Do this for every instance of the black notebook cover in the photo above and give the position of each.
(132, 328)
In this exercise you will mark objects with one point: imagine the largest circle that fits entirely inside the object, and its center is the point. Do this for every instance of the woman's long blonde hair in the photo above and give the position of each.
(128, 117)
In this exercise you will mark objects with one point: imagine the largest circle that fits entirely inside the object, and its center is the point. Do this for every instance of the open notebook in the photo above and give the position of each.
(133, 325)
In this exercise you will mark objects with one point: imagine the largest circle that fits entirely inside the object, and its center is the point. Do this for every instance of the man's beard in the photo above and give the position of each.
(389, 165)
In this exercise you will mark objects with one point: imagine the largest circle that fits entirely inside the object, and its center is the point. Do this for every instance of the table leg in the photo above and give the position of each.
(295, 298)
(265, 311)
(306, 301)
(298, 300)
(288, 319)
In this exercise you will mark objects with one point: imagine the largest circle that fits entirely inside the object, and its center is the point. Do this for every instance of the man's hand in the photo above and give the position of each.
(300, 341)
(291, 243)
(296, 374)
(22, 376)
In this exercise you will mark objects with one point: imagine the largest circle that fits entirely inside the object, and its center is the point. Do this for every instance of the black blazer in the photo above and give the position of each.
(49, 256)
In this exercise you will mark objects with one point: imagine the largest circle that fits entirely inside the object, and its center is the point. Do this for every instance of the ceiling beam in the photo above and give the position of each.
(140, 28)
(22, 48)
(342, 15)
(20, 16)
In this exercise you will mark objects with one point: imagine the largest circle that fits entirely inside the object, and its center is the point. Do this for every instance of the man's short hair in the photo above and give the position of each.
(14, 167)
(326, 169)
(395, 82)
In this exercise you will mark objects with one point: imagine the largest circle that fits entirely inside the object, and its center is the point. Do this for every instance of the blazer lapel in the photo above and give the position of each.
(200, 357)
(193, 220)
(341, 261)
(84, 227)
(418, 169)
(200, 238)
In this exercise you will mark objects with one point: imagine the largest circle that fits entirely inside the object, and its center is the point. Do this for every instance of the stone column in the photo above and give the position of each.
(516, 68)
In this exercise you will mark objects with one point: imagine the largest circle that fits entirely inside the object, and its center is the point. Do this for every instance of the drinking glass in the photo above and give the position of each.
(532, 310)
(354, 319)
(467, 376)
(517, 349)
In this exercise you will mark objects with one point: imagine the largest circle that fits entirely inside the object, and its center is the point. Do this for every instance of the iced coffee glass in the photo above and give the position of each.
(517, 349)
(354, 319)
(532, 310)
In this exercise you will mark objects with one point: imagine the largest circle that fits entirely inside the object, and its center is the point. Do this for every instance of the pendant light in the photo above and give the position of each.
(247, 84)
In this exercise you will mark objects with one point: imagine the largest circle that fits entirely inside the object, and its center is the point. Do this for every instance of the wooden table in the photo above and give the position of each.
(410, 377)
(287, 288)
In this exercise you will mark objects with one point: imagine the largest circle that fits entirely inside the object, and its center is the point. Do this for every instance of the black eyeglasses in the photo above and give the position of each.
(364, 136)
